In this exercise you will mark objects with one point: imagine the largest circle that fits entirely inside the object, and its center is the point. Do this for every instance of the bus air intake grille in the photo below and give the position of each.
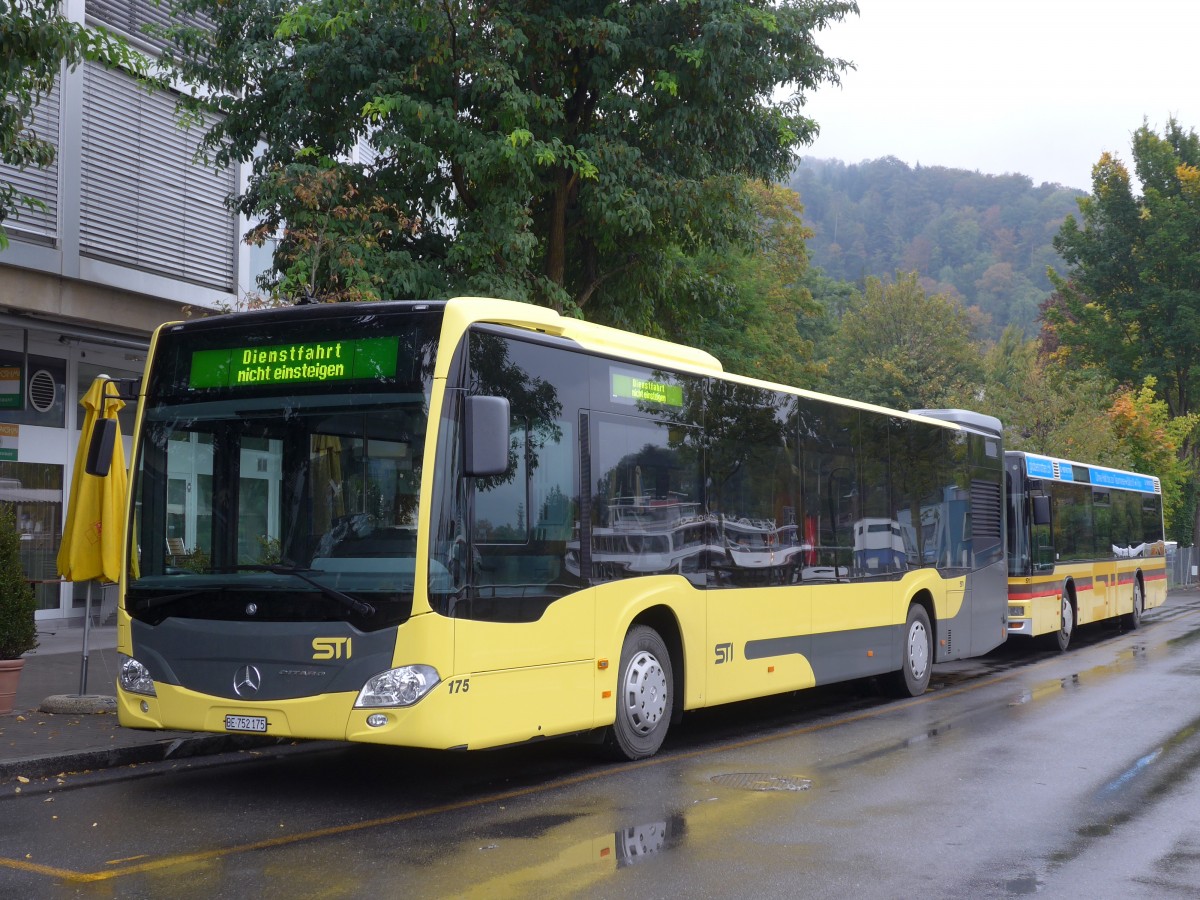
(986, 512)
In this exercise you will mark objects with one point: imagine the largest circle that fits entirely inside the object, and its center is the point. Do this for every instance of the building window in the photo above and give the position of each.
(131, 16)
(35, 492)
(147, 202)
(38, 182)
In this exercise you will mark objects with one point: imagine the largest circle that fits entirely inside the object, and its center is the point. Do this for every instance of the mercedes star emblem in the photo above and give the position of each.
(246, 681)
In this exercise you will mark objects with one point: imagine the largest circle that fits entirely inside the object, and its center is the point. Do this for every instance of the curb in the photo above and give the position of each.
(78, 704)
(113, 757)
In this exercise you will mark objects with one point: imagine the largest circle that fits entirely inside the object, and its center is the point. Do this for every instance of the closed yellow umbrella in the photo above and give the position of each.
(91, 542)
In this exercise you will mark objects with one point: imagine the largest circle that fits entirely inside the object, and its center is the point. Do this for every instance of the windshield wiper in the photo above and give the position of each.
(164, 599)
(352, 603)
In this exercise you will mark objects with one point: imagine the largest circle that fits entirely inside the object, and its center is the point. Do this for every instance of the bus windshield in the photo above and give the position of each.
(281, 502)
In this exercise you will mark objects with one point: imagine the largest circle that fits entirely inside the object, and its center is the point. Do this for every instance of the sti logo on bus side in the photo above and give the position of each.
(331, 648)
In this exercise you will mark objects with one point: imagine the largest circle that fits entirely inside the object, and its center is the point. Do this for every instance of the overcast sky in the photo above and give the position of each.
(1039, 87)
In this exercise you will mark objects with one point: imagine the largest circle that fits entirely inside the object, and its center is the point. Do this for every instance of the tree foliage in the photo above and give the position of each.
(37, 41)
(984, 239)
(901, 347)
(336, 242)
(1046, 407)
(559, 153)
(1131, 304)
(1152, 438)
(18, 630)
(748, 305)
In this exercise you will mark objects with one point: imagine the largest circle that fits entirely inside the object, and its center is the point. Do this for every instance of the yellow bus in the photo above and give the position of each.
(472, 523)
(1084, 544)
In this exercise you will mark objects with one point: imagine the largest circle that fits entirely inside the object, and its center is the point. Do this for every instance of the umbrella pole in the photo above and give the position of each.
(87, 627)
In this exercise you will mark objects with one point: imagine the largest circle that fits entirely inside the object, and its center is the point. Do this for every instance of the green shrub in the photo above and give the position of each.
(18, 630)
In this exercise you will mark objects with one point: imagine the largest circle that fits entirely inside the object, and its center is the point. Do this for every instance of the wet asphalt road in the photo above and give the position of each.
(1023, 772)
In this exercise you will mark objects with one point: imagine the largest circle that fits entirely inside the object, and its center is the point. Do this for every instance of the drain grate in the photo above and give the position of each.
(759, 781)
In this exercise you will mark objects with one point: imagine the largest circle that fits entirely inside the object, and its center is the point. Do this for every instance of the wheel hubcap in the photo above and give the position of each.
(918, 650)
(645, 692)
(1067, 618)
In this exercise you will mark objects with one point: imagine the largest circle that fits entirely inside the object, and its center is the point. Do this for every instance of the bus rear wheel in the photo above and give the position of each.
(645, 694)
(1133, 620)
(1062, 637)
(916, 663)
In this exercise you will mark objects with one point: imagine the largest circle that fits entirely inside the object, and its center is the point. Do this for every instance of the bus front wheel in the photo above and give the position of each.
(645, 693)
(916, 662)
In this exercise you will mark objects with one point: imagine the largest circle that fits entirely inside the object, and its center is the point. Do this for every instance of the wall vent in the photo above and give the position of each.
(42, 391)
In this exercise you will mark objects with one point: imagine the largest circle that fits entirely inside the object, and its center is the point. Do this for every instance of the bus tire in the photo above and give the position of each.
(1132, 621)
(916, 655)
(645, 694)
(1062, 637)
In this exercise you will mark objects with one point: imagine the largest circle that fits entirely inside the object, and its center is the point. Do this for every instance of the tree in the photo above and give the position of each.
(558, 153)
(749, 306)
(1151, 437)
(38, 41)
(899, 347)
(335, 242)
(1046, 407)
(1131, 303)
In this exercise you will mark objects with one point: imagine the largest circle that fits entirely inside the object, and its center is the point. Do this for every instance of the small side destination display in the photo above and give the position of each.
(630, 387)
(315, 362)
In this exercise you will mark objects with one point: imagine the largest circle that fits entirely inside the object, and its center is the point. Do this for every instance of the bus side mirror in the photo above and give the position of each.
(100, 449)
(486, 436)
(1041, 510)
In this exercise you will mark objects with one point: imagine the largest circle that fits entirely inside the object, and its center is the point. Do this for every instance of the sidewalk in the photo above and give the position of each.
(35, 744)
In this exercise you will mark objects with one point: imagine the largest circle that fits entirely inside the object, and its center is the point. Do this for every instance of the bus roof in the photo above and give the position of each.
(966, 418)
(589, 335)
(461, 312)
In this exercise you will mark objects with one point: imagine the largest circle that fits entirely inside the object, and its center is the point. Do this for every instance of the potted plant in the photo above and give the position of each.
(18, 630)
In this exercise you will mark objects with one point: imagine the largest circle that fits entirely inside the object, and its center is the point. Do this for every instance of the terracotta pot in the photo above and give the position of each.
(10, 674)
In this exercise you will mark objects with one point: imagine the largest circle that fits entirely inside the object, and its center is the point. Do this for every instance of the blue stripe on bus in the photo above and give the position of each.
(1039, 466)
(1043, 467)
(1125, 480)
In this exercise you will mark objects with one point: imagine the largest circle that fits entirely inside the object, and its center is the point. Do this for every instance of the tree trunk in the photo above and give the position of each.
(556, 235)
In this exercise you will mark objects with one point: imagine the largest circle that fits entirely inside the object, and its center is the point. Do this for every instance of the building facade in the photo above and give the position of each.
(134, 232)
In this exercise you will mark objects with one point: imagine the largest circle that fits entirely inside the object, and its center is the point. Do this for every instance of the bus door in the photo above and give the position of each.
(759, 604)
(1105, 572)
(521, 604)
(524, 639)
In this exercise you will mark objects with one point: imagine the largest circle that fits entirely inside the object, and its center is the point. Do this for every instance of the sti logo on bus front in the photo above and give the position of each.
(331, 648)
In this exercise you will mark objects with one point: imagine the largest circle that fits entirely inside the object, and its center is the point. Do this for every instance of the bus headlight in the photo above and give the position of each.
(135, 677)
(398, 687)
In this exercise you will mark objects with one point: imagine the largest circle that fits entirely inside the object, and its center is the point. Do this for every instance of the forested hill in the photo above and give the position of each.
(983, 238)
